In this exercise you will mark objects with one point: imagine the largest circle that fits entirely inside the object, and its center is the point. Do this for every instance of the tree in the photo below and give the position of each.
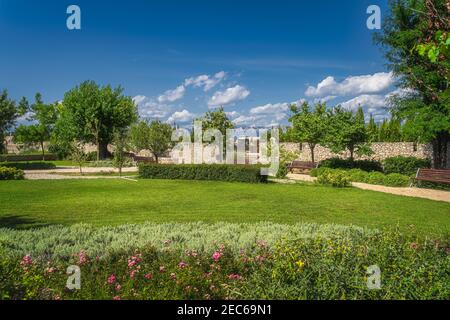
(120, 145)
(309, 126)
(216, 119)
(372, 130)
(154, 136)
(77, 154)
(44, 117)
(414, 35)
(93, 113)
(9, 112)
(347, 131)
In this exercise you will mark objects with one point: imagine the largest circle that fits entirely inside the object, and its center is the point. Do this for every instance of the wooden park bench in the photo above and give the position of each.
(302, 165)
(433, 175)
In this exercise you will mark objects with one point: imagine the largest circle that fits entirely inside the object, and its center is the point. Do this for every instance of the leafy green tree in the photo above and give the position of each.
(9, 112)
(309, 126)
(394, 130)
(78, 154)
(44, 118)
(347, 131)
(120, 141)
(410, 31)
(216, 119)
(154, 136)
(372, 130)
(91, 114)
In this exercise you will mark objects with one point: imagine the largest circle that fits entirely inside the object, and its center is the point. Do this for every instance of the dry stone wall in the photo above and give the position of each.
(382, 150)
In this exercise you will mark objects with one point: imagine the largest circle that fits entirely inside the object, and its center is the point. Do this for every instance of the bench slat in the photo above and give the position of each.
(432, 175)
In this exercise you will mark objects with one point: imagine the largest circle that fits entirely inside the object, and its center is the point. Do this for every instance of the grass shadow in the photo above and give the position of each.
(20, 223)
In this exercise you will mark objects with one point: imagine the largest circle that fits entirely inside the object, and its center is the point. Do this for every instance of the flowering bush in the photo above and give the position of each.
(333, 267)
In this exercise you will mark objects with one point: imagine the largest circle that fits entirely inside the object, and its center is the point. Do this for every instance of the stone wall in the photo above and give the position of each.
(382, 150)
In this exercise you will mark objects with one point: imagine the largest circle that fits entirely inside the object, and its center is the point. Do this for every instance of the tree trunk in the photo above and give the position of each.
(352, 152)
(440, 146)
(312, 147)
(102, 150)
(43, 151)
(156, 158)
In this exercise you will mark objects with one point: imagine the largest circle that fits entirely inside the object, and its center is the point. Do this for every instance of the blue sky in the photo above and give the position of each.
(181, 58)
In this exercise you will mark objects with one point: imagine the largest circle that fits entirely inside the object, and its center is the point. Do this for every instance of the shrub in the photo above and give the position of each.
(337, 178)
(338, 163)
(376, 178)
(358, 175)
(405, 165)
(29, 165)
(318, 171)
(396, 180)
(230, 173)
(11, 174)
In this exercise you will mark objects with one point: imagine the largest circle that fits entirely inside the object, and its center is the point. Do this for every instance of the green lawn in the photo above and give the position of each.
(112, 202)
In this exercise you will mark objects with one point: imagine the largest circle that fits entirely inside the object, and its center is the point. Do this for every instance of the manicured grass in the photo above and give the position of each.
(114, 201)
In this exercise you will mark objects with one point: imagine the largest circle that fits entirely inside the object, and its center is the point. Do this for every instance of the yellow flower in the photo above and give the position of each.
(300, 264)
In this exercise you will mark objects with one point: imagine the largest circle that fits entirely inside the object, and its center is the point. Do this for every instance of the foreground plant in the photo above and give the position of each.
(317, 267)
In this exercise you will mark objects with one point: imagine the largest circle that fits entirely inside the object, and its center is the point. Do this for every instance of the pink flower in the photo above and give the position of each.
(216, 256)
(116, 298)
(173, 276)
(26, 261)
(82, 257)
(234, 277)
(112, 279)
(133, 274)
(162, 269)
(148, 276)
(183, 265)
(51, 270)
(414, 246)
(118, 287)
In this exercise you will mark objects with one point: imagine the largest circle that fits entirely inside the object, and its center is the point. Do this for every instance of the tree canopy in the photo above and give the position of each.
(309, 126)
(415, 40)
(154, 136)
(9, 112)
(91, 114)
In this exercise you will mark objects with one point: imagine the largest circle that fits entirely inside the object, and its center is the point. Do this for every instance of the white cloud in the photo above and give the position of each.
(268, 115)
(271, 108)
(181, 117)
(206, 81)
(230, 95)
(173, 95)
(151, 109)
(353, 85)
(366, 101)
(232, 114)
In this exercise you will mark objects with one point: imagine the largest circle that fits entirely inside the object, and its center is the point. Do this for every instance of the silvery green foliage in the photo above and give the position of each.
(61, 242)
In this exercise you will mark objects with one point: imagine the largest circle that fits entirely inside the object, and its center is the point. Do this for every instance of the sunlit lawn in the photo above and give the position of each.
(115, 201)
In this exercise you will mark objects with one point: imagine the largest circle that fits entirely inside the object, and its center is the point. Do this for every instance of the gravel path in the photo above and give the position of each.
(58, 173)
(438, 195)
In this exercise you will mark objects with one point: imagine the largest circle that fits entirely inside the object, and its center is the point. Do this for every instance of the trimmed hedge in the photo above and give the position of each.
(405, 165)
(29, 165)
(11, 174)
(27, 157)
(338, 163)
(230, 173)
